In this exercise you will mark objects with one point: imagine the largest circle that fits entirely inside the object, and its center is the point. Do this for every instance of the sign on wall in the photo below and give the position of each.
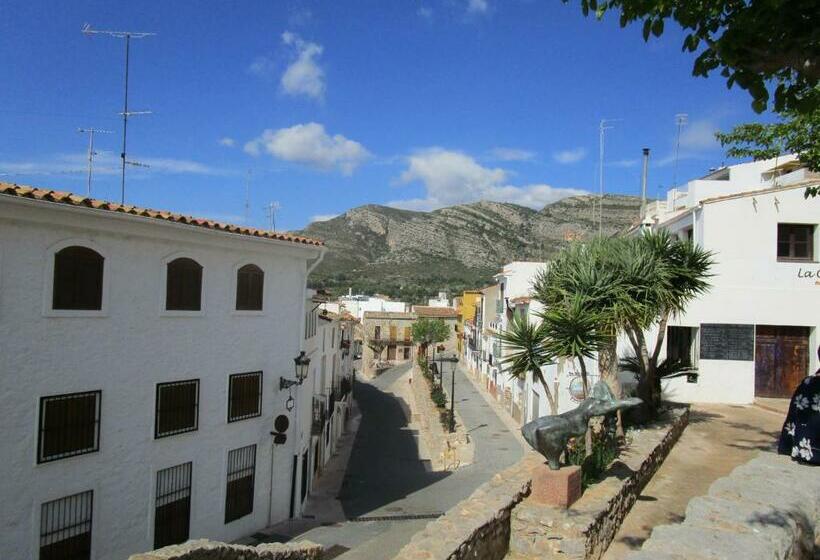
(723, 341)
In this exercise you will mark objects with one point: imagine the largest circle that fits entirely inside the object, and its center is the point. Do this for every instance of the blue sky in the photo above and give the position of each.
(330, 105)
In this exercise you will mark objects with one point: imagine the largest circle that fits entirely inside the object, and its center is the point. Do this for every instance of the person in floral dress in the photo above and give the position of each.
(800, 437)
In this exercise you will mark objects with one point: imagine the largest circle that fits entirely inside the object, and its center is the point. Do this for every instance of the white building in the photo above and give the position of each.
(755, 333)
(357, 305)
(440, 301)
(141, 360)
(525, 399)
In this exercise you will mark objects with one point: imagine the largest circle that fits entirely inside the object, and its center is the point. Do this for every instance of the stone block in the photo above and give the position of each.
(559, 488)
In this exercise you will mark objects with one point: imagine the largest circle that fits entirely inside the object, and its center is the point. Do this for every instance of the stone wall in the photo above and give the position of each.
(478, 527)
(768, 508)
(497, 520)
(585, 530)
(203, 549)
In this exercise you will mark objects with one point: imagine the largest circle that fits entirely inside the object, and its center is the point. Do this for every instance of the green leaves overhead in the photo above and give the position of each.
(757, 44)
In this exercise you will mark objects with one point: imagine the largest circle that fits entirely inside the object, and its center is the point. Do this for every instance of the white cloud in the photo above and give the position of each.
(105, 163)
(452, 177)
(512, 154)
(570, 156)
(425, 12)
(322, 217)
(309, 144)
(262, 67)
(303, 76)
(227, 141)
(477, 6)
(699, 135)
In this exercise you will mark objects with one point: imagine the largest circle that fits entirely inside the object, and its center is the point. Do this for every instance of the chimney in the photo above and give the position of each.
(644, 174)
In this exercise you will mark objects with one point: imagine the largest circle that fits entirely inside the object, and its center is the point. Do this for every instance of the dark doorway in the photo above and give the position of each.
(781, 359)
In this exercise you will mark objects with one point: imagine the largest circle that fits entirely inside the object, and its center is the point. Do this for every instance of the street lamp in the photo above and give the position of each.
(300, 364)
(453, 361)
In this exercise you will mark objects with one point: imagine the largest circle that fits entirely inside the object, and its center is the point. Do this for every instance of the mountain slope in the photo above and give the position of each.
(400, 252)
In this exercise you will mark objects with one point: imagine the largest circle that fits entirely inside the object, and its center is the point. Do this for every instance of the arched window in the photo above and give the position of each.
(250, 280)
(183, 288)
(78, 279)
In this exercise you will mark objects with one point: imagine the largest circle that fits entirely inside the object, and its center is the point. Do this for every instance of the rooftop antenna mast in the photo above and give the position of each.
(680, 122)
(127, 35)
(602, 127)
(270, 210)
(91, 153)
(248, 198)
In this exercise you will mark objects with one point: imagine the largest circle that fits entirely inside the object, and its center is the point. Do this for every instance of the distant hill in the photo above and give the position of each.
(413, 254)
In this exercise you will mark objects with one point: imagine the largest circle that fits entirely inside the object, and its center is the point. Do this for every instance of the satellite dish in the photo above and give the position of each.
(281, 423)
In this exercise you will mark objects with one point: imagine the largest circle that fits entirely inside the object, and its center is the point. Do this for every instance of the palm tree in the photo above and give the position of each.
(429, 331)
(670, 274)
(527, 342)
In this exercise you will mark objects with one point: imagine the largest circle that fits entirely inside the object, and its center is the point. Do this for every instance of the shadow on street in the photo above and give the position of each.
(385, 465)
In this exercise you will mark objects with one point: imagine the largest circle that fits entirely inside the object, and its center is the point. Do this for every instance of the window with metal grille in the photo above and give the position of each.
(69, 425)
(244, 396)
(183, 287)
(78, 279)
(250, 280)
(177, 407)
(172, 509)
(65, 527)
(795, 242)
(241, 472)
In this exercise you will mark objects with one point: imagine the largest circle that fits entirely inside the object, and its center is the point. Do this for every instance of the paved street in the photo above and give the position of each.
(386, 478)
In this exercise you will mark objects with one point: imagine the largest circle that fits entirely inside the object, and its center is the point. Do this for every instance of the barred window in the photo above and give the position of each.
(183, 288)
(172, 509)
(244, 396)
(241, 473)
(177, 407)
(69, 425)
(65, 527)
(250, 281)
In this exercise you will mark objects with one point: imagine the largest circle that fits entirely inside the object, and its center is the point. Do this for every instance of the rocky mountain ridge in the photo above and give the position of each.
(456, 245)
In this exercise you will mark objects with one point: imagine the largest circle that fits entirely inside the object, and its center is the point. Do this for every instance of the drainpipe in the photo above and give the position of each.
(644, 175)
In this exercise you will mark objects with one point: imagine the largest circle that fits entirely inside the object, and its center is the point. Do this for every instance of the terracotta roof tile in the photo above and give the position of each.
(70, 199)
(429, 311)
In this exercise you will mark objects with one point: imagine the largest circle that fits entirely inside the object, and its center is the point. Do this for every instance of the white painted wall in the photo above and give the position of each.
(750, 286)
(125, 352)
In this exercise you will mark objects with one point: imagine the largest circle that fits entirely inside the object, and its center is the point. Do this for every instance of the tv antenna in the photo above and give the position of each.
(680, 121)
(91, 153)
(127, 35)
(248, 198)
(604, 125)
(270, 211)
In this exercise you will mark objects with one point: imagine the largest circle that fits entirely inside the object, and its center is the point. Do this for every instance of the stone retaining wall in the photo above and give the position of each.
(767, 509)
(203, 549)
(584, 531)
(497, 520)
(448, 451)
(478, 527)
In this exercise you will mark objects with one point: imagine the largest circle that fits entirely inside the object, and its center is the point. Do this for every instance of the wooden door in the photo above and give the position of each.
(781, 359)
(391, 352)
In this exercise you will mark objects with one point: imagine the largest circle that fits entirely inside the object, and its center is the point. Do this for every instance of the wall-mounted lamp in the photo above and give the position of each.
(290, 403)
(300, 364)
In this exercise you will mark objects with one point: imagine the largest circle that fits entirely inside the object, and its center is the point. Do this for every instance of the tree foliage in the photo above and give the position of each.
(429, 331)
(595, 290)
(757, 44)
(796, 133)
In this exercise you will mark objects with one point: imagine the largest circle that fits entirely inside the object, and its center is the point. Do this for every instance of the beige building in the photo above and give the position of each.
(387, 336)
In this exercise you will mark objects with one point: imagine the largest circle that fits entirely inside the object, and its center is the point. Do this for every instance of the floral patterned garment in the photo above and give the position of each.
(800, 437)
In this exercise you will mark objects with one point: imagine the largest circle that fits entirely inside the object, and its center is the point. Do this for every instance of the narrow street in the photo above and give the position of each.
(388, 494)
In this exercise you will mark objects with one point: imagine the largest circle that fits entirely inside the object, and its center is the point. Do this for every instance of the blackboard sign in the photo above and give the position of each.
(720, 341)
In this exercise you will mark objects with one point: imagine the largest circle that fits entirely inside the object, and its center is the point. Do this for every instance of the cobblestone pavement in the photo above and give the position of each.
(718, 438)
(386, 479)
